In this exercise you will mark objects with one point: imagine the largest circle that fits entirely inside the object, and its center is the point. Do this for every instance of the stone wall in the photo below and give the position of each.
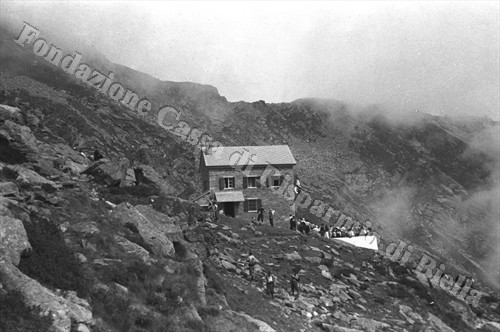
(262, 191)
(214, 174)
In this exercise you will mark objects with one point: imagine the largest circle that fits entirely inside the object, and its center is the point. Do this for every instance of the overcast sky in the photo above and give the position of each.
(441, 58)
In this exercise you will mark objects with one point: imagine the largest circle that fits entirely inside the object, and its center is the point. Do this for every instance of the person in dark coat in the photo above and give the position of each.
(260, 215)
(293, 223)
(307, 228)
(294, 283)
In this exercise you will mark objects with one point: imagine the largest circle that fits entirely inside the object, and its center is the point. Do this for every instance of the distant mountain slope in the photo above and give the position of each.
(422, 178)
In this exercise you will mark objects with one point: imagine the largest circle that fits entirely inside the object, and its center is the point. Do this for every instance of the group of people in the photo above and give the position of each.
(305, 227)
(336, 231)
(270, 279)
(260, 216)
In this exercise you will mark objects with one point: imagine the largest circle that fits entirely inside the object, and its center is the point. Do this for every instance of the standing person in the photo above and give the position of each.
(216, 212)
(328, 233)
(294, 281)
(270, 285)
(260, 215)
(293, 224)
(297, 188)
(252, 261)
(271, 217)
(303, 225)
(322, 230)
(307, 228)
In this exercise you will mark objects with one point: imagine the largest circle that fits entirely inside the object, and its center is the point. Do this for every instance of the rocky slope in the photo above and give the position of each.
(114, 245)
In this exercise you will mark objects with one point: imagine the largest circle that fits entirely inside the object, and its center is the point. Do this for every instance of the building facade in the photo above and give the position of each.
(239, 177)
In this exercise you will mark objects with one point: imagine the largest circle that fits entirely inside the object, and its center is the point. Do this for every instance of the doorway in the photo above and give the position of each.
(229, 209)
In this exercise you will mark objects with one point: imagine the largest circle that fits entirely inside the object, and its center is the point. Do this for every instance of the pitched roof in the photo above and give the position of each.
(229, 196)
(251, 155)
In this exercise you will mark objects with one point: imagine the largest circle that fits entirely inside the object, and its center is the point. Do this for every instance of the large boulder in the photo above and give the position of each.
(411, 316)
(167, 225)
(155, 228)
(490, 327)
(111, 172)
(17, 143)
(370, 325)
(74, 168)
(32, 120)
(261, 326)
(30, 178)
(64, 309)
(469, 318)
(294, 256)
(85, 229)
(8, 188)
(133, 250)
(184, 212)
(438, 324)
(148, 175)
(57, 158)
(10, 113)
(13, 239)
(60, 150)
(5, 205)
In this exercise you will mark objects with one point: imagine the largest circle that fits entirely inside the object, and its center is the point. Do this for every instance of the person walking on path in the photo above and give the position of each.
(270, 285)
(252, 261)
(271, 217)
(294, 281)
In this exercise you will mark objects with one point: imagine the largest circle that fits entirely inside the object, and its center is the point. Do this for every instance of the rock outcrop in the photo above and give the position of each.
(17, 143)
(28, 178)
(148, 175)
(111, 173)
(261, 326)
(65, 308)
(153, 227)
(8, 189)
(11, 113)
(13, 239)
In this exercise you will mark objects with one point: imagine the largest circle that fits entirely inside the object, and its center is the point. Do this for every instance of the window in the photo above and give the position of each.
(253, 205)
(226, 182)
(229, 183)
(252, 182)
(275, 181)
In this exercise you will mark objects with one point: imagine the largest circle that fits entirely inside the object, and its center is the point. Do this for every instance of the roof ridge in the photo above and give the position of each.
(266, 154)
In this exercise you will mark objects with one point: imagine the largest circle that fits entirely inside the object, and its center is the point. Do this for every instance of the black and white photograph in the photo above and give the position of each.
(246, 166)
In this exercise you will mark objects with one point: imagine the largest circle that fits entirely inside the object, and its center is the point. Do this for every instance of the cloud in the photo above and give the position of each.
(441, 58)
(487, 199)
